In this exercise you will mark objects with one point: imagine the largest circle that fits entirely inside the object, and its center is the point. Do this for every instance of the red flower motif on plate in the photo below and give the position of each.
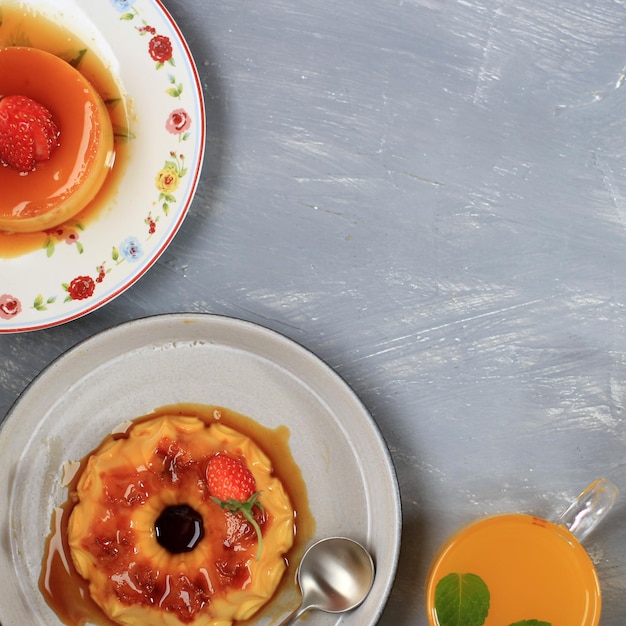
(178, 122)
(10, 306)
(160, 48)
(81, 287)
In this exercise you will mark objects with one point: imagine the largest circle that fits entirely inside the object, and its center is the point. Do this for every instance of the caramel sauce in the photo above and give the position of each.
(67, 592)
(23, 26)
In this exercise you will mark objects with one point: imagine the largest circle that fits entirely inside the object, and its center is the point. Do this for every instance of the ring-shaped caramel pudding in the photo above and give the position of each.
(62, 186)
(155, 546)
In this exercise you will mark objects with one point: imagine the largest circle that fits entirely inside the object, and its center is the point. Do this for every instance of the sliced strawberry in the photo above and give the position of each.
(232, 486)
(28, 133)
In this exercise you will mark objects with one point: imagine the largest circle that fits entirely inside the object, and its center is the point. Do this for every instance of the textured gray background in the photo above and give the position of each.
(430, 195)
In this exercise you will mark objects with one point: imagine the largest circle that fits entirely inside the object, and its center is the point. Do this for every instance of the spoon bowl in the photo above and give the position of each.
(335, 575)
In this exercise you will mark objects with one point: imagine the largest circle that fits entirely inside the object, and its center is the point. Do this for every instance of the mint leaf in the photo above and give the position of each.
(246, 509)
(531, 622)
(461, 600)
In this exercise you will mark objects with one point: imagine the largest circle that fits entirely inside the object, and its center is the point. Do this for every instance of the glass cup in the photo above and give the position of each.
(520, 570)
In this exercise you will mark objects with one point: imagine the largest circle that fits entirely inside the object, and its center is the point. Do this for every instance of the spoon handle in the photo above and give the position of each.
(297, 614)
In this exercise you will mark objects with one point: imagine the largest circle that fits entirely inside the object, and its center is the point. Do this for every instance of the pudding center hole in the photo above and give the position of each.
(179, 528)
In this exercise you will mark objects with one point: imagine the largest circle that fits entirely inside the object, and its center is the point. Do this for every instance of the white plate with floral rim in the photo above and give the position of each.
(136, 367)
(81, 265)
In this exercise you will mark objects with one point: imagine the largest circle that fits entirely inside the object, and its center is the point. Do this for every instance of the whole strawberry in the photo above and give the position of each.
(28, 134)
(232, 486)
(228, 478)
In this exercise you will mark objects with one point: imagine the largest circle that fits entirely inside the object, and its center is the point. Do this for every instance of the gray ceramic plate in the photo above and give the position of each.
(130, 370)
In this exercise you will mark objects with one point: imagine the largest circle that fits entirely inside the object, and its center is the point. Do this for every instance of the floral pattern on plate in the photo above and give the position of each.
(91, 264)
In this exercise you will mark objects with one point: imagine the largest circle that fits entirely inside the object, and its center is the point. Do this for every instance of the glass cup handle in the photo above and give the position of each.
(583, 515)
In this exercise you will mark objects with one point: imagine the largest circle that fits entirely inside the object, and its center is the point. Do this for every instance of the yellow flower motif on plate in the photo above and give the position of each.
(167, 180)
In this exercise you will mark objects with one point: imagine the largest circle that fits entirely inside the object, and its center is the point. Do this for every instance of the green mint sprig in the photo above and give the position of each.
(246, 509)
(463, 600)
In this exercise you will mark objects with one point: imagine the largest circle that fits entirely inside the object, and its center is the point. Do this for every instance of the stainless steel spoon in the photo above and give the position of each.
(335, 575)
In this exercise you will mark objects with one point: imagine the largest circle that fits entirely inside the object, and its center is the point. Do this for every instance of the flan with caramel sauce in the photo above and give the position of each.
(63, 185)
(142, 540)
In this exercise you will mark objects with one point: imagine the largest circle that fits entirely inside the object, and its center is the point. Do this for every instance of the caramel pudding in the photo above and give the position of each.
(63, 185)
(158, 529)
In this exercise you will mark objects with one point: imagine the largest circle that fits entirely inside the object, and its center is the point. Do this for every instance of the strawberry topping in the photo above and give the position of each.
(232, 486)
(228, 478)
(28, 134)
